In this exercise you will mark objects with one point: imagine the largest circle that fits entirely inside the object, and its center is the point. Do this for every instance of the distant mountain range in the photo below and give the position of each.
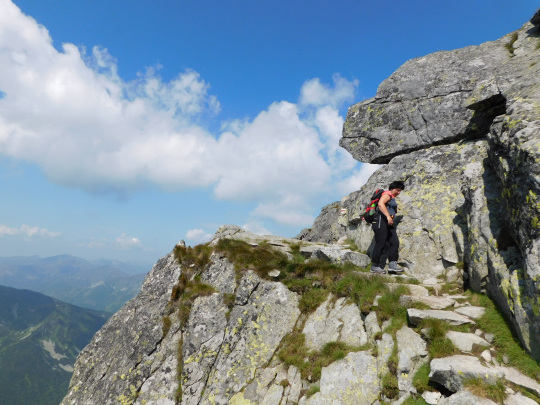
(102, 285)
(40, 338)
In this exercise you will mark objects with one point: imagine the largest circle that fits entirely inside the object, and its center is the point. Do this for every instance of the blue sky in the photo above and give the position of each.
(128, 125)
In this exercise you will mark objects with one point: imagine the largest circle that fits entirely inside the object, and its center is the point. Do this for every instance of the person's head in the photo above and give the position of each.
(396, 187)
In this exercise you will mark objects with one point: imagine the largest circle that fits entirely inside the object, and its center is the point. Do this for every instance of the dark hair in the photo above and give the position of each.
(396, 184)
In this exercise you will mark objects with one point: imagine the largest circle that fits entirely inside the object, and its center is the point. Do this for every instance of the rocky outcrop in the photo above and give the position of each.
(225, 346)
(462, 129)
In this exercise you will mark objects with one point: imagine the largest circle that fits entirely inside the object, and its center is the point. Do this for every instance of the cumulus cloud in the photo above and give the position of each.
(125, 242)
(29, 231)
(319, 94)
(198, 236)
(71, 114)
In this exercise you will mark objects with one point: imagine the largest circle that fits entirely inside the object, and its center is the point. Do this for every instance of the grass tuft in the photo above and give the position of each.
(438, 344)
(261, 258)
(312, 299)
(421, 379)
(415, 401)
(496, 392)
(390, 386)
(504, 341)
(313, 390)
(166, 320)
(510, 45)
(310, 363)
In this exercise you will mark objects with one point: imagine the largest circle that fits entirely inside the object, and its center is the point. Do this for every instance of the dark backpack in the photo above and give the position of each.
(372, 208)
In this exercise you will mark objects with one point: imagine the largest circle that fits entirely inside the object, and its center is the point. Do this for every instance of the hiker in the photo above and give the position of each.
(385, 230)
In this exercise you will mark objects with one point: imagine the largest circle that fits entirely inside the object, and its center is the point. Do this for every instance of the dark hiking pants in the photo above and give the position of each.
(384, 233)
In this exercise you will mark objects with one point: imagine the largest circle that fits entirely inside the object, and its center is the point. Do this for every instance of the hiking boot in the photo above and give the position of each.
(393, 267)
(377, 270)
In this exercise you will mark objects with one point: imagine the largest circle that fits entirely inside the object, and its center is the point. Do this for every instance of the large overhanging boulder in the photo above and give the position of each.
(442, 98)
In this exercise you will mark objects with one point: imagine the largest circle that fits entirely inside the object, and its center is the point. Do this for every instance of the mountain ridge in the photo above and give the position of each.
(40, 338)
(101, 286)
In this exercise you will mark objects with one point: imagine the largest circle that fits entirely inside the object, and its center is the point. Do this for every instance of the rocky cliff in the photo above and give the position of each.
(267, 320)
(462, 129)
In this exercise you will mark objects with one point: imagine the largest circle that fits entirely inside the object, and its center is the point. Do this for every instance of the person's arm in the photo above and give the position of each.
(382, 207)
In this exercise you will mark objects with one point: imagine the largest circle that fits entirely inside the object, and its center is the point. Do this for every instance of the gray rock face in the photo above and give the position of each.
(452, 371)
(129, 354)
(462, 129)
(465, 398)
(251, 338)
(351, 381)
(335, 321)
(412, 353)
(338, 254)
(465, 341)
(417, 315)
(431, 232)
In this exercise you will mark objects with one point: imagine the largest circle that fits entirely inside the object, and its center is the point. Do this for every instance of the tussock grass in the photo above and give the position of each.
(313, 390)
(194, 257)
(362, 290)
(190, 286)
(310, 363)
(510, 45)
(415, 401)
(496, 392)
(261, 258)
(390, 386)
(421, 379)
(438, 344)
(312, 299)
(166, 321)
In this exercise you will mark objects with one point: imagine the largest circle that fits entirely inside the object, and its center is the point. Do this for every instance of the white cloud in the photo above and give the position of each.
(256, 228)
(198, 236)
(72, 115)
(125, 242)
(358, 178)
(29, 231)
(318, 94)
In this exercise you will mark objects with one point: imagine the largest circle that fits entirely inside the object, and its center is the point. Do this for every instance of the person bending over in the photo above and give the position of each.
(385, 230)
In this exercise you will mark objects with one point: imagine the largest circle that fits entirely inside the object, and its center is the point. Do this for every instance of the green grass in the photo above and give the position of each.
(390, 386)
(510, 45)
(197, 257)
(313, 390)
(261, 258)
(312, 299)
(310, 363)
(166, 320)
(438, 344)
(415, 401)
(421, 379)
(496, 392)
(504, 341)
(362, 290)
